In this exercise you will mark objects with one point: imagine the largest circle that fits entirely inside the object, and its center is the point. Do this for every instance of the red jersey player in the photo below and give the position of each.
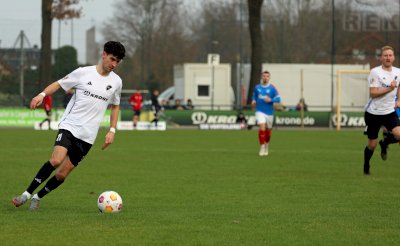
(47, 105)
(136, 100)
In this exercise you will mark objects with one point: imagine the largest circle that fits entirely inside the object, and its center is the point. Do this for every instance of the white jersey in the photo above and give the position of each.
(384, 104)
(93, 94)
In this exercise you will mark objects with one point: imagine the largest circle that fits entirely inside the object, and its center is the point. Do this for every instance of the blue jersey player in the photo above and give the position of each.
(264, 96)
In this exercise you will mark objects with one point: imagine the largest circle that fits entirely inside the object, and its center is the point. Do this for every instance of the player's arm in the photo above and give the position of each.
(276, 99)
(254, 98)
(380, 91)
(375, 86)
(49, 90)
(113, 125)
(398, 97)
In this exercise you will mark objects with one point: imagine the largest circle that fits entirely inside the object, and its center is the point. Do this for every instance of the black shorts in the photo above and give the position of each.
(77, 149)
(136, 112)
(375, 122)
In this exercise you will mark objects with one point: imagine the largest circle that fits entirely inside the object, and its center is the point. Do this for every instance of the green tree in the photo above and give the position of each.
(66, 60)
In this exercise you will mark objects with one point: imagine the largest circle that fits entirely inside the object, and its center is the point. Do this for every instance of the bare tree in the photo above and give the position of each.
(155, 36)
(217, 29)
(45, 52)
(254, 7)
(52, 9)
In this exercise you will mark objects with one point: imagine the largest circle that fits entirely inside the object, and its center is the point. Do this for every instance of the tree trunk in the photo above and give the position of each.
(254, 7)
(45, 51)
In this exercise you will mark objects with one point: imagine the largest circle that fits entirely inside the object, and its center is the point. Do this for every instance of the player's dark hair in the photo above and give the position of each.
(115, 48)
(266, 72)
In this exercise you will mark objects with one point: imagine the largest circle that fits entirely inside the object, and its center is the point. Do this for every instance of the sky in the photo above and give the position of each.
(25, 15)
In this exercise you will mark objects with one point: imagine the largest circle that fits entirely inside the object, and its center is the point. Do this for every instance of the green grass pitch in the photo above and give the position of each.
(191, 187)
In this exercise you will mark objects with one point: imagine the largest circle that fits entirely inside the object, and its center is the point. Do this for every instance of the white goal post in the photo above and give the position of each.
(357, 80)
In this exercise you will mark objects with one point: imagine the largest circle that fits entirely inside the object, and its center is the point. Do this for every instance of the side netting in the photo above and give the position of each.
(351, 92)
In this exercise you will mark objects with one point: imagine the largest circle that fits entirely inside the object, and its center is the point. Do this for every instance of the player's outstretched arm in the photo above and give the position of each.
(49, 90)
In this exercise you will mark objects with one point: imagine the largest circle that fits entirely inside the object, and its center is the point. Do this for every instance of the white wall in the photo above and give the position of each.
(317, 84)
(189, 76)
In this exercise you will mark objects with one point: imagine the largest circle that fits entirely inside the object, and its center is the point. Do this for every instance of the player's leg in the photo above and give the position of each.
(49, 118)
(155, 120)
(61, 174)
(371, 130)
(388, 138)
(391, 133)
(136, 118)
(134, 121)
(57, 157)
(261, 138)
(261, 121)
(268, 132)
(368, 152)
(76, 152)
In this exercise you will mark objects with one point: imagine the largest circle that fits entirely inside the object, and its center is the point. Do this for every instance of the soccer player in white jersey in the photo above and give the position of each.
(264, 96)
(383, 84)
(95, 88)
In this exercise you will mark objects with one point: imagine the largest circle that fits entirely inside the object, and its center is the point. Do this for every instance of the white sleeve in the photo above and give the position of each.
(373, 79)
(71, 80)
(117, 95)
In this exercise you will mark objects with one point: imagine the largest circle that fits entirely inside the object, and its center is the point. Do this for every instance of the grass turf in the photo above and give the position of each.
(192, 187)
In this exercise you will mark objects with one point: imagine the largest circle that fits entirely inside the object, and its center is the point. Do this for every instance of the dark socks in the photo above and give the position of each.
(388, 138)
(367, 155)
(41, 176)
(52, 184)
(41, 123)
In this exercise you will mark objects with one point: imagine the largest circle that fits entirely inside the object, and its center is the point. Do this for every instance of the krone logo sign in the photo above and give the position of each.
(199, 118)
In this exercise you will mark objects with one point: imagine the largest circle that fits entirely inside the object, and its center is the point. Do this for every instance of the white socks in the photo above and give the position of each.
(26, 194)
(36, 197)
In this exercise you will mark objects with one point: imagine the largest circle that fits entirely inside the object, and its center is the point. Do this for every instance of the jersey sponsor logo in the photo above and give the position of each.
(88, 93)
(262, 97)
(108, 87)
